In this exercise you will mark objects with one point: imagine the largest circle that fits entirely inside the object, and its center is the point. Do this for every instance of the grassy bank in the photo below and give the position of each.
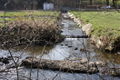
(106, 27)
(104, 23)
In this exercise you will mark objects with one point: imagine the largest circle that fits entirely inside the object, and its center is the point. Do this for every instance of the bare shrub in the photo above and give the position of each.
(38, 32)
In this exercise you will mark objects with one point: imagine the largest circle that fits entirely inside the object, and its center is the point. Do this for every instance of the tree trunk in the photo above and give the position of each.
(114, 3)
(107, 2)
(91, 2)
(81, 66)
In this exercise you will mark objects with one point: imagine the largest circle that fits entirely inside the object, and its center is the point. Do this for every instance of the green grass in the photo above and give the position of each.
(104, 23)
(20, 15)
(24, 13)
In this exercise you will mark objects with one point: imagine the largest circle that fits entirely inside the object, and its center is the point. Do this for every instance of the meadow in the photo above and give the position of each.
(105, 23)
(29, 12)
(49, 17)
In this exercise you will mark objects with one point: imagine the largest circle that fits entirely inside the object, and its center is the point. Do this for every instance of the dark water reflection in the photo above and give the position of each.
(34, 50)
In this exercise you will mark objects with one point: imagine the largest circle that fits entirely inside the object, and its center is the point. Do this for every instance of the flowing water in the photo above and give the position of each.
(68, 49)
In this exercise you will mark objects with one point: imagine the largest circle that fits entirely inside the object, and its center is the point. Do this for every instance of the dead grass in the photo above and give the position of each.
(31, 31)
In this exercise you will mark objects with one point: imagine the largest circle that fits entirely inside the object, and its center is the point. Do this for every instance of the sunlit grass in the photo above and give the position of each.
(104, 23)
(24, 13)
(51, 16)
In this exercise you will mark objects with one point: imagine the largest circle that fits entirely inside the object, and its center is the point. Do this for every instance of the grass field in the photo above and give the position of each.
(24, 13)
(47, 17)
(104, 23)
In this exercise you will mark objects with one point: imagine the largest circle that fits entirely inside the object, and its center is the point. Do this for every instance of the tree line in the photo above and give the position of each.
(37, 4)
(20, 4)
(113, 3)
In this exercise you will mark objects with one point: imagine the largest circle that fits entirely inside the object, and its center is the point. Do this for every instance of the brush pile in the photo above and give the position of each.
(37, 32)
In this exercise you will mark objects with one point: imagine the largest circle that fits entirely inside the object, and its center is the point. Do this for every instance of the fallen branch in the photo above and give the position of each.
(79, 66)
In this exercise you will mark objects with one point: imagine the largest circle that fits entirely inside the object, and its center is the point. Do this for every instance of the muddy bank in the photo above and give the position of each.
(25, 32)
(113, 72)
(104, 43)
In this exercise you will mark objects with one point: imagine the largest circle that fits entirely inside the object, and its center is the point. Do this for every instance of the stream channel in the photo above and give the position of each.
(70, 48)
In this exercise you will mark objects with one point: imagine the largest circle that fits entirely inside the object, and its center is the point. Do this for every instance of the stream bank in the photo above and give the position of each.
(103, 43)
(69, 49)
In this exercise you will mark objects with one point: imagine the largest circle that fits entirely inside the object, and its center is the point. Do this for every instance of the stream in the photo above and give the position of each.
(70, 48)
